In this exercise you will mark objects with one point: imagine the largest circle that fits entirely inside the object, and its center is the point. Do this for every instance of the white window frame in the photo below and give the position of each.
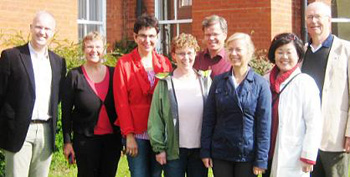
(184, 3)
(87, 21)
(340, 20)
(341, 17)
(175, 21)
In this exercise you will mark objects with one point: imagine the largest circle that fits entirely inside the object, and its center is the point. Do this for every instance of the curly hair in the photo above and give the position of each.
(184, 40)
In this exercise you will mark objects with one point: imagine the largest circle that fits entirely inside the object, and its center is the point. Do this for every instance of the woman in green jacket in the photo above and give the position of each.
(175, 119)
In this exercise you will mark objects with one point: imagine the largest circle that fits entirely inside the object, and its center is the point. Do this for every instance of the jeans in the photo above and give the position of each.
(144, 164)
(189, 163)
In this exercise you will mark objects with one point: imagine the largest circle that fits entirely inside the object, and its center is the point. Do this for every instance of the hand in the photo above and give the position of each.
(347, 144)
(131, 145)
(306, 167)
(258, 171)
(161, 158)
(69, 151)
(208, 162)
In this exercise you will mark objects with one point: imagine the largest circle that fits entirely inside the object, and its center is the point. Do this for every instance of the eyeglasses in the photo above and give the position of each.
(311, 17)
(144, 36)
(183, 54)
(237, 50)
(92, 47)
(288, 54)
(215, 35)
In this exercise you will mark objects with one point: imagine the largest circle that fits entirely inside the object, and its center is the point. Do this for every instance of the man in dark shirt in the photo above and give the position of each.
(214, 57)
(326, 60)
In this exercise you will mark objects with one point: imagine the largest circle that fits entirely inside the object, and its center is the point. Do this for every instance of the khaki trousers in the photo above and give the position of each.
(331, 164)
(34, 158)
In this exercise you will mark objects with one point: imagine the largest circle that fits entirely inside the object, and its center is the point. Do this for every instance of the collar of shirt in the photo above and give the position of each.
(327, 43)
(221, 54)
(235, 83)
(37, 54)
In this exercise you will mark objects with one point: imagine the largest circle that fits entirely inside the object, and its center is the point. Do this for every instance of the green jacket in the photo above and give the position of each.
(163, 122)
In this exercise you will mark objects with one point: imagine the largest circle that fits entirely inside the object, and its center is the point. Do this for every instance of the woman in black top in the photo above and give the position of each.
(88, 112)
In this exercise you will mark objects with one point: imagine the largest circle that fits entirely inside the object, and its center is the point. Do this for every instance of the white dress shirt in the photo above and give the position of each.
(42, 78)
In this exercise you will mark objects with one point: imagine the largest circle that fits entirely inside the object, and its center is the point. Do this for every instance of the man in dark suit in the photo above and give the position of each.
(30, 81)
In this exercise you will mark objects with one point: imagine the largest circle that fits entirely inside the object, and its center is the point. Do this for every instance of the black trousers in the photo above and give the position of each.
(97, 156)
(223, 168)
(268, 170)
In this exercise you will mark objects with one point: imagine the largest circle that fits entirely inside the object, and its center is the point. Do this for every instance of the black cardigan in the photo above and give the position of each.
(81, 106)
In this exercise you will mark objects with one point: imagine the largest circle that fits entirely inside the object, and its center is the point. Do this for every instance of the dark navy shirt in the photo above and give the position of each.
(315, 63)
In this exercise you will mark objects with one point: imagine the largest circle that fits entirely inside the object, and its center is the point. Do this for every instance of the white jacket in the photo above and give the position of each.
(299, 128)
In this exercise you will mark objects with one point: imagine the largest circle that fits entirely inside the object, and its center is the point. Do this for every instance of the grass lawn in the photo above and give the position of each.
(64, 170)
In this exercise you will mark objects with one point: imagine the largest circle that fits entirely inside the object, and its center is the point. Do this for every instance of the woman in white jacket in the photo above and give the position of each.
(296, 120)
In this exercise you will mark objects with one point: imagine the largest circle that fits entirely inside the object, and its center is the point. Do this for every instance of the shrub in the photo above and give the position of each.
(122, 47)
(260, 63)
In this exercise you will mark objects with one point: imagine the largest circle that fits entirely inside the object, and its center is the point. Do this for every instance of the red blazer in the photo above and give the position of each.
(133, 92)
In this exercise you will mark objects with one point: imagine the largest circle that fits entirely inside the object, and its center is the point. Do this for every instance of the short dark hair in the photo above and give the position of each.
(146, 20)
(282, 39)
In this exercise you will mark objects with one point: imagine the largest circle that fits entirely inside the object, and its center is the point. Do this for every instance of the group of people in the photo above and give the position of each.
(211, 111)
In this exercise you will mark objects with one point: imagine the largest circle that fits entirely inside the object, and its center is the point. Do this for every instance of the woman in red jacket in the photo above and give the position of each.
(134, 82)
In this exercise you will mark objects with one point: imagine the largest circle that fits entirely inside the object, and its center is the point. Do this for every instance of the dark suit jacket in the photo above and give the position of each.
(17, 95)
(81, 106)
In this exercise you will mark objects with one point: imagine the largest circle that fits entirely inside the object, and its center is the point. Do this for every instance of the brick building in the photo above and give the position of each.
(262, 19)
(17, 15)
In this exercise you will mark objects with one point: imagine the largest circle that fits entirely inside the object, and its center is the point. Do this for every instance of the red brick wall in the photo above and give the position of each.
(115, 23)
(285, 17)
(262, 19)
(17, 15)
(252, 17)
(121, 16)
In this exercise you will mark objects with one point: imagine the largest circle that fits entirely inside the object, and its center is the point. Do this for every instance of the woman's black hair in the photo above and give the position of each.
(146, 20)
(282, 39)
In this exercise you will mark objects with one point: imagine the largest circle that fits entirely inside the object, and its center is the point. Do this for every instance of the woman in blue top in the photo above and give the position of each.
(237, 116)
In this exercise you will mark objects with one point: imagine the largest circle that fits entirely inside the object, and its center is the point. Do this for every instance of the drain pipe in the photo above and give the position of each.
(139, 8)
(304, 34)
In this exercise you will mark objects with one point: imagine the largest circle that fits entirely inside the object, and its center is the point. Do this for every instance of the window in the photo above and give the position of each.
(185, 3)
(174, 18)
(341, 18)
(91, 17)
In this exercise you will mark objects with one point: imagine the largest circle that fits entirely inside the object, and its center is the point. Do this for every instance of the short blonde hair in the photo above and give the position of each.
(246, 38)
(184, 40)
(92, 36)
